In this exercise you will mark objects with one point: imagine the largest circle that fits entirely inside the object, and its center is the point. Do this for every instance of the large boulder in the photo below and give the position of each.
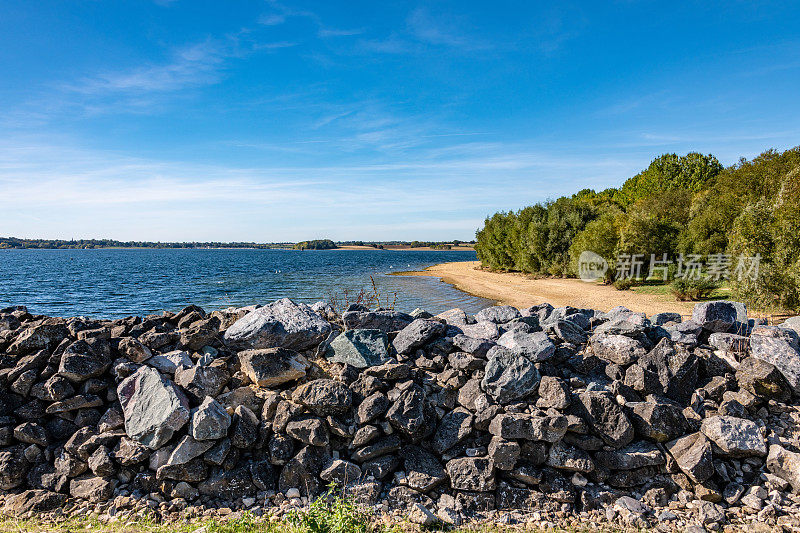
(762, 379)
(36, 501)
(324, 397)
(270, 367)
(499, 314)
(605, 417)
(409, 414)
(716, 316)
(210, 421)
(416, 334)
(360, 348)
(41, 337)
(153, 407)
(780, 348)
(509, 376)
(385, 321)
(735, 437)
(282, 323)
(535, 346)
(13, 469)
(82, 361)
(785, 464)
(694, 456)
(619, 349)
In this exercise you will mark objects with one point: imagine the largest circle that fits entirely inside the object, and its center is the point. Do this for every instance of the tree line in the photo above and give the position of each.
(682, 206)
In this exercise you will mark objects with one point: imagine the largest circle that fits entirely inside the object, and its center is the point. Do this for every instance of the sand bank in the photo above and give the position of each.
(520, 290)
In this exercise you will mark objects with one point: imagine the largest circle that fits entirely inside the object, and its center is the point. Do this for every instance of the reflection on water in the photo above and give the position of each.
(114, 283)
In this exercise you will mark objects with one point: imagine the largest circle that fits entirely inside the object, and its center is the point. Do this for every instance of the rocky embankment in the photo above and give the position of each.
(534, 415)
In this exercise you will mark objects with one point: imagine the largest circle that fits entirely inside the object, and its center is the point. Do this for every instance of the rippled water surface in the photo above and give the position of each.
(111, 283)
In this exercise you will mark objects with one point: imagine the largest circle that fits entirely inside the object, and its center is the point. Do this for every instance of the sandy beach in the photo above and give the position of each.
(521, 291)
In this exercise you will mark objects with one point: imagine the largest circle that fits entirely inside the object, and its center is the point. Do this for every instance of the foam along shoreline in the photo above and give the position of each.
(518, 290)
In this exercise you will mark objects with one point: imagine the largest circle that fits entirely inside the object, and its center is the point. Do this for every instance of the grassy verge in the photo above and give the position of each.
(249, 524)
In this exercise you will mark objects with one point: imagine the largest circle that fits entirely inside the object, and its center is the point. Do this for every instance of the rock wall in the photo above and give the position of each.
(447, 417)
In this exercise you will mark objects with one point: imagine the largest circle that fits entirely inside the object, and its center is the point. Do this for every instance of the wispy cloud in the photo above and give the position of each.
(440, 30)
(196, 64)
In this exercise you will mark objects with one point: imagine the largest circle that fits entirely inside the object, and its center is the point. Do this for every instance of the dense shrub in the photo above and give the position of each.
(687, 289)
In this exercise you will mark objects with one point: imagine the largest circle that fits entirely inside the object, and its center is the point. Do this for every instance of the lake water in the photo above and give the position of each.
(111, 283)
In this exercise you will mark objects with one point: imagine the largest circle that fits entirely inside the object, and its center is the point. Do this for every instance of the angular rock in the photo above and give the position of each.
(534, 346)
(454, 427)
(529, 427)
(423, 470)
(341, 472)
(153, 407)
(606, 418)
(716, 316)
(134, 350)
(656, 420)
(553, 392)
(632, 457)
(13, 469)
(271, 367)
(385, 321)
(408, 414)
(35, 501)
(779, 351)
(693, 455)
(81, 362)
(762, 379)
(499, 314)
(283, 323)
(471, 473)
(735, 437)
(93, 489)
(618, 349)
(416, 334)
(360, 348)
(508, 376)
(324, 397)
(210, 421)
(785, 464)
(504, 453)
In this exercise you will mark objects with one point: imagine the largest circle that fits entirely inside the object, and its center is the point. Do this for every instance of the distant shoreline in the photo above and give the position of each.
(521, 291)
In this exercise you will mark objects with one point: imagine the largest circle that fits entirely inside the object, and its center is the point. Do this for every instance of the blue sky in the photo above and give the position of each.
(281, 121)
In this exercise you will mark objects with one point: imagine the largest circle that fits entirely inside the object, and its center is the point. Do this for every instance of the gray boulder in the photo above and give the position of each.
(170, 362)
(153, 407)
(778, 347)
(210, 421)
(785, 464)
(324, 397)
(619, 349)
(716, 316)
(659, 319)
(509, 376)
(273, 366)
(385, 321)
(360, 348)
(499, 314)
(606, 417)
(694, 456)
(471, 473)
(416, 334)
(529, 427)
(735, 437)
(282, 323)
(535, 346)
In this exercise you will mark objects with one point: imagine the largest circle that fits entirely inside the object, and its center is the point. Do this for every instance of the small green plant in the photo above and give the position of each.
(331, 513)
(686, 289)
(625, 284)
